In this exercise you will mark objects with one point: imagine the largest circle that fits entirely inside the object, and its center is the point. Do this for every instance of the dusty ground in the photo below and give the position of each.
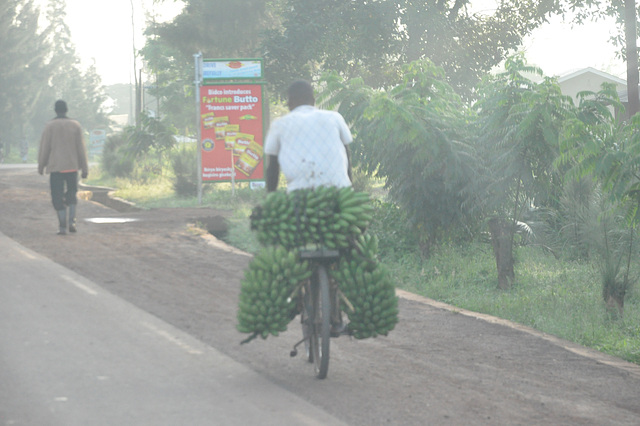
(438, 367)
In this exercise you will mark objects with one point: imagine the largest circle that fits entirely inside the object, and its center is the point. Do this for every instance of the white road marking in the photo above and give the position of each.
(26, 254)
(81, 286)
(166, 335)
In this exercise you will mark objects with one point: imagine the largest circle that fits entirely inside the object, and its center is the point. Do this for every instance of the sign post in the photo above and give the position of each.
(198, 81)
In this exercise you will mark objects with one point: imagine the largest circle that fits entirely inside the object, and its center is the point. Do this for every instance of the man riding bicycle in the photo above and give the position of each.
(309, 145)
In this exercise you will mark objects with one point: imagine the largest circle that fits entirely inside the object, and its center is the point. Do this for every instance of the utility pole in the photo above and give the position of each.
(135, 70)
(632, 57)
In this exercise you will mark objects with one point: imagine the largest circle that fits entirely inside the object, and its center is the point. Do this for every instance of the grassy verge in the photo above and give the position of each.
(562, 298)
(559, 297)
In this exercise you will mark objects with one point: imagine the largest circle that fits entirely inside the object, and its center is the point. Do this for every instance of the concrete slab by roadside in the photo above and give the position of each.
(73, 354)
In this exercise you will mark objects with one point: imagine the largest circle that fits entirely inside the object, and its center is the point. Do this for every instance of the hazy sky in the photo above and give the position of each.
(559, 49)
(101, 30)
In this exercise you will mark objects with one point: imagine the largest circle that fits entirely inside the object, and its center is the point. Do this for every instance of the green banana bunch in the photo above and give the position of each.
(325, 216)
(271, 219)
(267, 301)
(355, 210)
(328, 216)
(366, 284)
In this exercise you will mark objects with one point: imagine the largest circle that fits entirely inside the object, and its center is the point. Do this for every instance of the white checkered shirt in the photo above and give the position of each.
(310, 145)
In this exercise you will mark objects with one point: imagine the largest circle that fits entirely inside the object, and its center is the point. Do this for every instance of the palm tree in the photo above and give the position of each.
(596, 146)
(518, 125)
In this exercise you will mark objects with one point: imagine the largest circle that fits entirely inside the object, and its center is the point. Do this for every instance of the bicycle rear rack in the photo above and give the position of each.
(319, 253)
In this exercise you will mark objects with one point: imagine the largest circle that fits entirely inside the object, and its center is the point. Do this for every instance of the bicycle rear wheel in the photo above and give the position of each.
(321, 329)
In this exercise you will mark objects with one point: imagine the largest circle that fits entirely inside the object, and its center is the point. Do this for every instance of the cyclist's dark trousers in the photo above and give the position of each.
(64, 187)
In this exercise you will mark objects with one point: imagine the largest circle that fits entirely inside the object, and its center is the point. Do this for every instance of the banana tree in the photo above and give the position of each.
(517, 130)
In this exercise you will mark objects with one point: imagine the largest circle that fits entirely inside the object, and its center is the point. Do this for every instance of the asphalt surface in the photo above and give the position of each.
(73, 354)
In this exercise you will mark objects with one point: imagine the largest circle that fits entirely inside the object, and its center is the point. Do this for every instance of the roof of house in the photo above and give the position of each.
(602, 74)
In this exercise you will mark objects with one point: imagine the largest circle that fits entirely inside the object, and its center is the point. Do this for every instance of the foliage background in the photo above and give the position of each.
(39, 65)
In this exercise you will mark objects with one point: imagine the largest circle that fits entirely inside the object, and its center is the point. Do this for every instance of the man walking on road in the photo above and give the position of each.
(62, 154)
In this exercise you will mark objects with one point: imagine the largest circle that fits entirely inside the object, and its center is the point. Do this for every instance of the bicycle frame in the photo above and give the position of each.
(318, 309)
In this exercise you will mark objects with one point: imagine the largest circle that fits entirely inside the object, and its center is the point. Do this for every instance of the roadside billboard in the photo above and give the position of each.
(231, 132)
(97, 139)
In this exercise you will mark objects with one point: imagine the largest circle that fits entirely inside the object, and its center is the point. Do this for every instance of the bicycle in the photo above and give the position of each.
(320, 309)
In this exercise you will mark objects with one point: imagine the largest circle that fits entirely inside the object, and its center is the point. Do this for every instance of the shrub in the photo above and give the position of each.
(116, 160)
(185, 168)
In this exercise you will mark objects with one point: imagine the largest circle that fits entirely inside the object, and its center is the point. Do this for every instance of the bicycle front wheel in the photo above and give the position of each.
(307, 320)
(321, 333)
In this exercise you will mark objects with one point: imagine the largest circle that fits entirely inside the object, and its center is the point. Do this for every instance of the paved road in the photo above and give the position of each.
(73, 354)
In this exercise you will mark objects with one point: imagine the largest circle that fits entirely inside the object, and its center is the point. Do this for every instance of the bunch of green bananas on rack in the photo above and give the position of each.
(371, 303)
(328, 216)
(268, 292)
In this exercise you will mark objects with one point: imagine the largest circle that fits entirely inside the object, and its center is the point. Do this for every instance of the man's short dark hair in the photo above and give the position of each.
(300, 93)
(60, 107)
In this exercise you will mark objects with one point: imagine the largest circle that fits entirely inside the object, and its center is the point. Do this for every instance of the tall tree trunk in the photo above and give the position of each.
(502, 241)
(632, 57)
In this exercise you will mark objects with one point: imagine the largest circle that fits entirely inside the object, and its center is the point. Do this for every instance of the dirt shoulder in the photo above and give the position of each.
(439, 366)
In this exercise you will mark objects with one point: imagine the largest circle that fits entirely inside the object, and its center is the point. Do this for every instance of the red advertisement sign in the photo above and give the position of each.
(231, 128)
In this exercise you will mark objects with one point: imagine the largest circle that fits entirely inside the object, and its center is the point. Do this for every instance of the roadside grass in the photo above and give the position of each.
(559, 297)
(159, 193)
(14, 156)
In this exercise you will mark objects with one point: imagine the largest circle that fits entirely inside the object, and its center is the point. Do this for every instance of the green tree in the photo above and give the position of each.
(81, 89)
(372, 39)
(356, 38)
(173, 86)
(363, 39)
(519, 122)
(465, 44)
(218, 29)
(24, 53)
(142, 149)
(413, 135)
